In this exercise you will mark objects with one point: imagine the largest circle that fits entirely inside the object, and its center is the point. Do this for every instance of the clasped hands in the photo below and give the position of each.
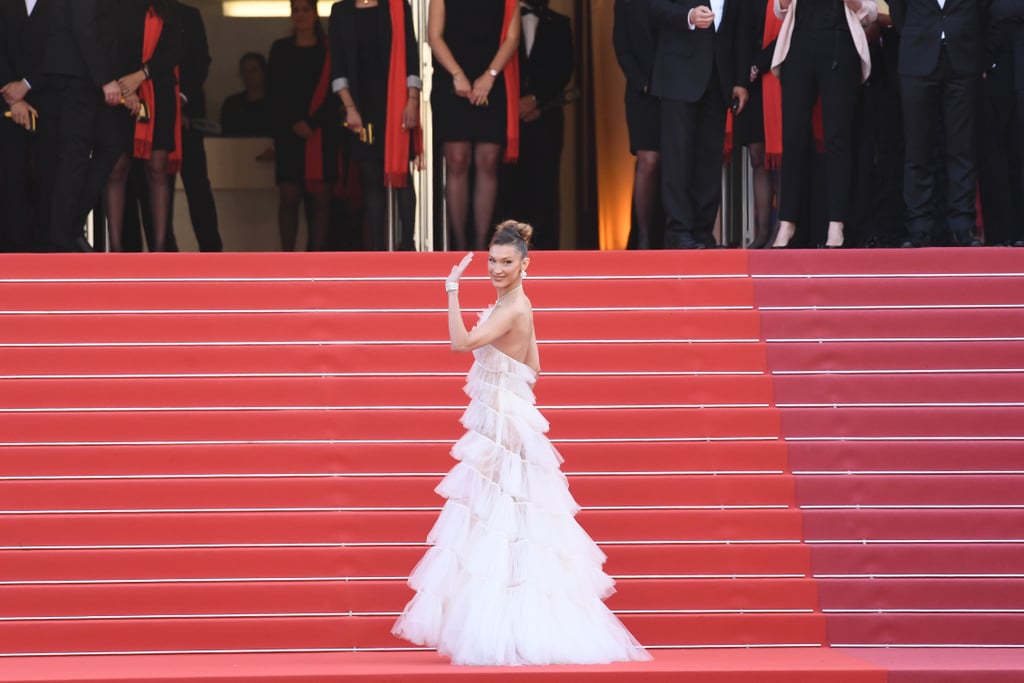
(477, 93)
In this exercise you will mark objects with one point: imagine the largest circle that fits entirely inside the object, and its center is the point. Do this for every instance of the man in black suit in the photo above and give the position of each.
(21, 43)
(941, 59)
(701, 68)
(79, 77)
(529, 187)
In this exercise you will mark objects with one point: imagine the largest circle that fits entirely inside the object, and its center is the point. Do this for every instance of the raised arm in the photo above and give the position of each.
(499, 323)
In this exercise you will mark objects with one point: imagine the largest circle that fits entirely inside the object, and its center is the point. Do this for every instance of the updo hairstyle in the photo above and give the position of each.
(515, 233)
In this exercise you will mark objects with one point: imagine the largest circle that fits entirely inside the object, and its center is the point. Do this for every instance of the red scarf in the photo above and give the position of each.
(143, 148)
(511, 87)
(396, 138)
(771, 91)
(315, 142)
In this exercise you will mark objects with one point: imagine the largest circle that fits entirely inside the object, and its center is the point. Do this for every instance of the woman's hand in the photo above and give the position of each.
(411, 114)
(130, 83)
(353, 121)
(462, 88)
(133, 104)
(302, 129)
(481, 89)
(457, 271)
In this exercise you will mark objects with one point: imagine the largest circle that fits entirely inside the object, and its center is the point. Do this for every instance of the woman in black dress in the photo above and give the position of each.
(361, 34)
(293, 73)
(472, 42)
(634, 36)
(148, 49)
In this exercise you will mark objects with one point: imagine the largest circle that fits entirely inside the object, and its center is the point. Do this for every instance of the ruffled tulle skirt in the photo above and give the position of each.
(511, 578)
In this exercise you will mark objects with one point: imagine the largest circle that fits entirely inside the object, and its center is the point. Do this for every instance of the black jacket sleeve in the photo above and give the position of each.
(85, 19)
(635, 76)
(195, 60)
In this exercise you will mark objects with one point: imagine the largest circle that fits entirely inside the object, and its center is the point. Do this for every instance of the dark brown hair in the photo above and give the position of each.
(515, 233)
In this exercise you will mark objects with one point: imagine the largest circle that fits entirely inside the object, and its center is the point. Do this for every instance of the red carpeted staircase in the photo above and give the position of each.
(212, 458)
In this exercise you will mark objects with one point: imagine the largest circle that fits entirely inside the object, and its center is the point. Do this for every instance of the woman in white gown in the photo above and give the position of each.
(511, 577)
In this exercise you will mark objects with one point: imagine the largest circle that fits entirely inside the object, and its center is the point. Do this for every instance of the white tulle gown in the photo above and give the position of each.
(511, 577)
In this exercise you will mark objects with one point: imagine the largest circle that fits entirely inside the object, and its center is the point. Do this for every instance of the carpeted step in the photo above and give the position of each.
(988, 455)
(992, 490)
(918, 558)
(381, 390)
(830, 292)
(305, 327)
(934, 629)
(947, 388)
(309, 456)
(591, 357)
(433, 423)
(904, 263)
(914, 524)
(972, 323)
(274, 633)
(385, 527)
(868, 354)
(996, 594)
(947, 422)
(376, 492)
(329, 596)
(361, 294)
(292, 562)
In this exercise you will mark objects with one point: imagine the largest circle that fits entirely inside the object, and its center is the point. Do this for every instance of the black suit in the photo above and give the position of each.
(941, 58)
(21, 46)
(529, 188)
(695, 71)
(76, 63)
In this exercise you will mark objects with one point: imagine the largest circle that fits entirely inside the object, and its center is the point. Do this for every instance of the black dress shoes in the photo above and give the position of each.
(82, 244)
(965, 239)
(684, 240)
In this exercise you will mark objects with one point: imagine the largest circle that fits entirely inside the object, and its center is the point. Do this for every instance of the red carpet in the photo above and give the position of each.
(236, 453)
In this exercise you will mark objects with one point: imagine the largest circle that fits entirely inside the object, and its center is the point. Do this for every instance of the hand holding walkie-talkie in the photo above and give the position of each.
(26, 117)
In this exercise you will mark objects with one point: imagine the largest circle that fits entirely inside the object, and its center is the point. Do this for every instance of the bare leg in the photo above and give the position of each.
(764, 190)
(288, 214)
(113, 200)
(456, 189)
(487, 156)
(645, 193)
(159, 196)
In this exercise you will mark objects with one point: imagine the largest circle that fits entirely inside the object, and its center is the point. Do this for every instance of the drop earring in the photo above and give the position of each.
(522, 273)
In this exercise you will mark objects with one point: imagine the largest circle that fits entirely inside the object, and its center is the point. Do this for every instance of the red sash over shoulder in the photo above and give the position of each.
(511, 87)
(396, 138)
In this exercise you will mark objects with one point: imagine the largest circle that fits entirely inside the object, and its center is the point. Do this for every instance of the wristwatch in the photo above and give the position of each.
(493, 73)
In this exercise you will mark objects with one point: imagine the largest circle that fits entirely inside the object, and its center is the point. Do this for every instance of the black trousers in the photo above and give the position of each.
(998, 160)
(375, 201)
(528, 189)
(825, 65)
(942, 99)
(68, 108)
(692, 147)
(17, 228)
(196, 179)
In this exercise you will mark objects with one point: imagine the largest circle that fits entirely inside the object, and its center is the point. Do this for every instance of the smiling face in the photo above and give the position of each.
(303, 15)
(505, 265)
